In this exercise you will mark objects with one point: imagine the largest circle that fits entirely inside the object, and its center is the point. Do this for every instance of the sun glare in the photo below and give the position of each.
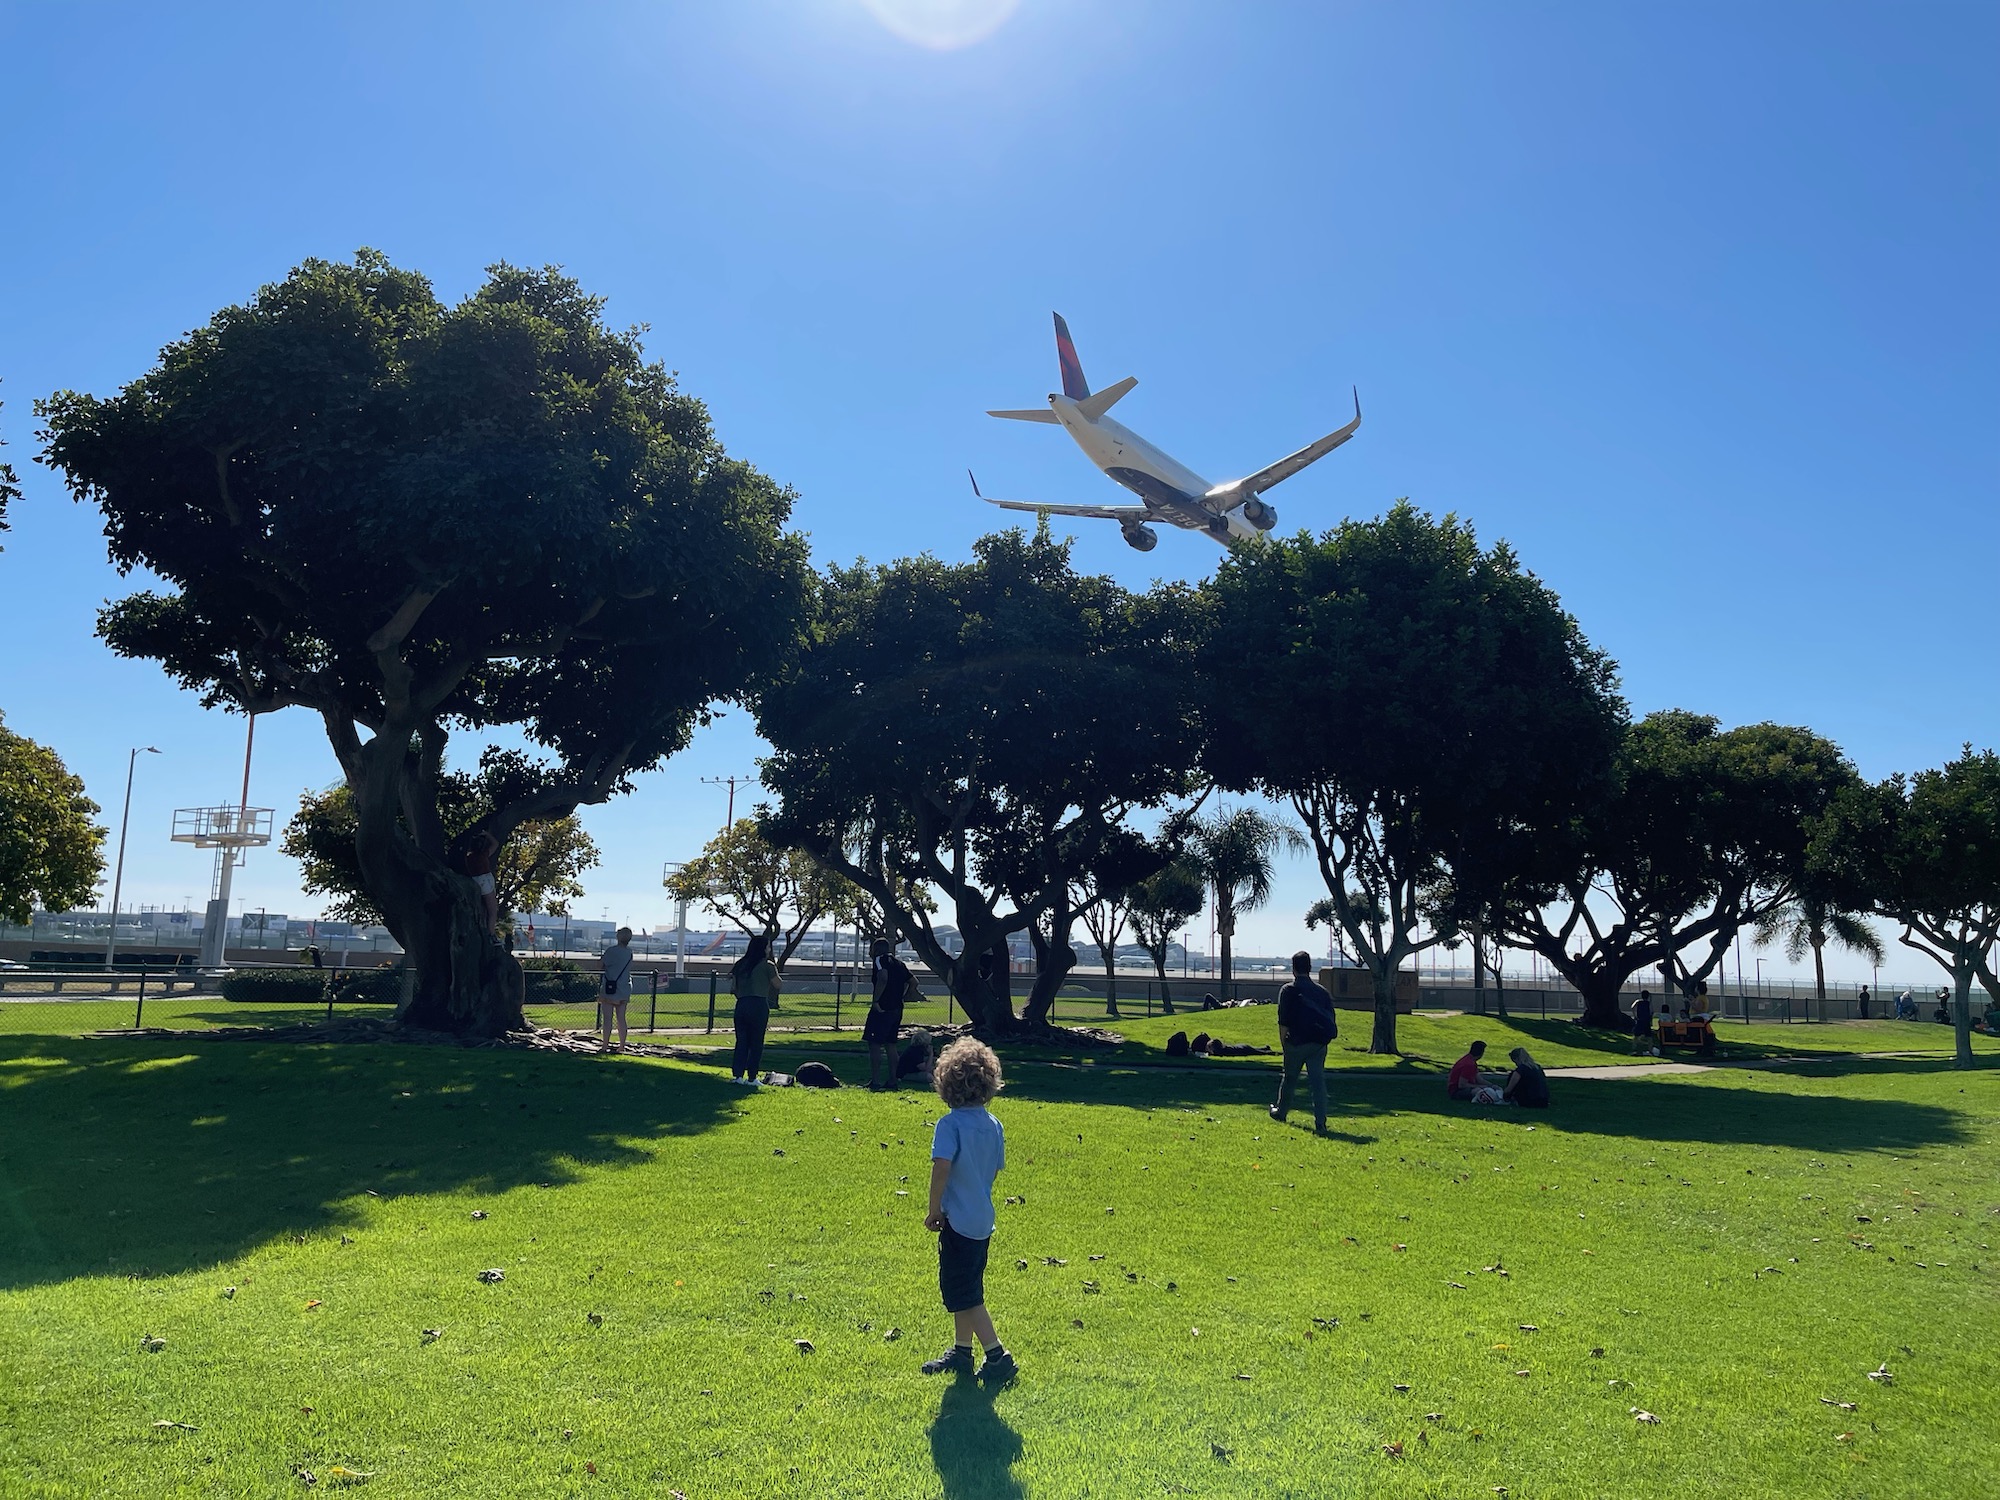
(942, 24)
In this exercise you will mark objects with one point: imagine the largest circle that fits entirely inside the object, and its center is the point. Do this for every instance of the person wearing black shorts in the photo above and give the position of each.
(967, 1153)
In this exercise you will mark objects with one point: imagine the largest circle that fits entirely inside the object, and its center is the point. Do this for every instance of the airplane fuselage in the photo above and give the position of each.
(1169, 489)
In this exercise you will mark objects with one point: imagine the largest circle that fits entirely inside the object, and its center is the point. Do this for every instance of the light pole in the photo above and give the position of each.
(124, 821)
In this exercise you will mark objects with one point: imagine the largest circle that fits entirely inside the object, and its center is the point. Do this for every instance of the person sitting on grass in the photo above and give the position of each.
(968, 1150)
(1527, 1085)
(917, 1061)
(1990, 1022)
(1463, 1083)
(885, 1015)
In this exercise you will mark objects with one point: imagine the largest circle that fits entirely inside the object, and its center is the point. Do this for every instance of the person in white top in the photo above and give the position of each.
(616, 990)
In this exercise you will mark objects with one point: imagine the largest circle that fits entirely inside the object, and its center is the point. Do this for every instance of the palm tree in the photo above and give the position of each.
(1232, 850)
(1811, 922)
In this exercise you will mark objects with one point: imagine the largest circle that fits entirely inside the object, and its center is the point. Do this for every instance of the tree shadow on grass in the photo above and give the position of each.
(148, 1157)
(1680, 1108)
(973, 1447)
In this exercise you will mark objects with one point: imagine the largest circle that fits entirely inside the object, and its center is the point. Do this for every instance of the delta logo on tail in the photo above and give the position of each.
(1168, 491)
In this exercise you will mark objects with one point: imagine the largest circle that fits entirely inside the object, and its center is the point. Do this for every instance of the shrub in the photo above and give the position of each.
(303, 986)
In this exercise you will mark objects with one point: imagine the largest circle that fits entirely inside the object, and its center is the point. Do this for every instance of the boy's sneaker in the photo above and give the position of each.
(957, 1360)
(998, 1370)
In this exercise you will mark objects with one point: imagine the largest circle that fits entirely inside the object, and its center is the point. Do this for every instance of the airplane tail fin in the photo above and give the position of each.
(1074, 385)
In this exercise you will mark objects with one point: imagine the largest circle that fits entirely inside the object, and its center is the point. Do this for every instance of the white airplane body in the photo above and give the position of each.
(1169, 491)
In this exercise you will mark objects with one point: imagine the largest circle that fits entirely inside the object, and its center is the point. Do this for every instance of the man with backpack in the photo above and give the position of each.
(1306, 1025)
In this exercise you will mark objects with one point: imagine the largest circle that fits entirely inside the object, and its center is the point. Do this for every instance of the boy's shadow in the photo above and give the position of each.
(974, 1450)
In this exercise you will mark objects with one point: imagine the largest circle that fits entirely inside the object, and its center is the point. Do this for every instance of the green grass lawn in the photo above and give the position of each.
(1739, 1245)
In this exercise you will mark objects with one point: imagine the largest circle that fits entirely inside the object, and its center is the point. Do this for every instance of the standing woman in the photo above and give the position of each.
(753, 979)
(616, 993)
(885, 1015)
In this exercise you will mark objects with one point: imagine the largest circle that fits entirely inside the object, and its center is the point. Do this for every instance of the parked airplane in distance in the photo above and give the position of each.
(1230, 513)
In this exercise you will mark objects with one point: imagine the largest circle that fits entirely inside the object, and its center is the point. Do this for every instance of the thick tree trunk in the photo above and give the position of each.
(1961, 1007)
(1600, 993)
(1819, 975)
(1225, 929)
(1110, 957)
(1383, 1040)
(465, 981)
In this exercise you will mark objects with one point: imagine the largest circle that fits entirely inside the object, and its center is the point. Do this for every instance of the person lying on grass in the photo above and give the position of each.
(967, 1152)
(917, 1060)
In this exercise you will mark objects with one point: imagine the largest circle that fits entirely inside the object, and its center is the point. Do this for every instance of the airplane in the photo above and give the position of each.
(1231, 513)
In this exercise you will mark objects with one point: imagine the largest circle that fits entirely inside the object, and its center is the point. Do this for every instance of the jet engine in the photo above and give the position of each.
(1258, 514)
(1141, 538)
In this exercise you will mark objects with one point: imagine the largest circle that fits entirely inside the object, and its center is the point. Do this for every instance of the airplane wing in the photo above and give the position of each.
(1286, 467)
(1123, 514)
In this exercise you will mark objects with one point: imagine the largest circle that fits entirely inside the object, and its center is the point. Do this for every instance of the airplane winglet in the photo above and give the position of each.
(975, 483)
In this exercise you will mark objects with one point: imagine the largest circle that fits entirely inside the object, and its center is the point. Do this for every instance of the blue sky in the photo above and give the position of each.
(1693, 304)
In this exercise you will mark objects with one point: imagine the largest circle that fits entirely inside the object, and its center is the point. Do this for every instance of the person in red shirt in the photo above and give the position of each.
(1464, 1079)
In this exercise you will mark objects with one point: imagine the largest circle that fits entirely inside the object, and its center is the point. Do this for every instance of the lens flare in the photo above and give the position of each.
(942, 25)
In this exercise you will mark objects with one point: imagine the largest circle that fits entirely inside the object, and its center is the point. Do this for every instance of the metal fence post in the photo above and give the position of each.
(653, 1009)
(711, 1002)
(139, 1014)
(836, 999)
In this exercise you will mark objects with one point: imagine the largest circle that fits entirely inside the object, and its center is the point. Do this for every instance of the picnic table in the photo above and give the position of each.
(1696, 1032)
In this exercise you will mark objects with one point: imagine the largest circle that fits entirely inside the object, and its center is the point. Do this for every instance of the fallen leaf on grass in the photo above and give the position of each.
(1400, 1388)
(151, 1344)
(492, 1274)
(1020, 1265)
(1394, 1450)
(892, 1335)
(804, 1346)
(595, 1320)
(1523, 1372)
(1239, 1377)
(1459, 1284)
(1644, 1416)
(350, 1476)
(1076, 1322)
(177, 1426)
(1528, 1328)
(1845, 1437)
(1091, 1286)
(1598, 1352)
(1433, 1416)
(590, 1468)
(1099, 1257)
(1843, 1405)
(316, 1302)
(1051, 1260)
(1217, 1450)
(479, 1213)
(1881, 1373)
(431, 1335)
(229, 1292)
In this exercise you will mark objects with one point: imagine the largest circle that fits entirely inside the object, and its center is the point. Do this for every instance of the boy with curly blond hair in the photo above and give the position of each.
(967, 1152)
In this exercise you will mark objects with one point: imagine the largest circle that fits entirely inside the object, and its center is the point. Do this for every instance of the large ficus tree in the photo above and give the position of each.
(1924, 851)
(981, 728)
(1700, 832)
(1408, 692)
(409, 517)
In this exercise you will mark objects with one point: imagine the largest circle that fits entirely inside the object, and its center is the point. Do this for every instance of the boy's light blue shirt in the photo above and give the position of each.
(973, 1142)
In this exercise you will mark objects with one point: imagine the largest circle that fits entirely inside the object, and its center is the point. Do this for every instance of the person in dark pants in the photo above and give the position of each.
(1861, 1002)
(1642, 1023)
(885, 1015)
(753, 979)
(1306, 1025)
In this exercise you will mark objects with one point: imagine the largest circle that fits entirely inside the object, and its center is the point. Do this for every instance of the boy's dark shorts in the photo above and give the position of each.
(961, 1270)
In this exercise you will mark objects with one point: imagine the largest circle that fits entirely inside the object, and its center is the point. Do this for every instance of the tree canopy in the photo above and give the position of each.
(537, 869)
(411, 518)
(1701, 832)
(983, 728)
(1421, 702)
(10, 488)
(49, 844)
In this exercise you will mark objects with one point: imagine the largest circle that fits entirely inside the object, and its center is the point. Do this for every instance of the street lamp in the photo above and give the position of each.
(124, 822)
